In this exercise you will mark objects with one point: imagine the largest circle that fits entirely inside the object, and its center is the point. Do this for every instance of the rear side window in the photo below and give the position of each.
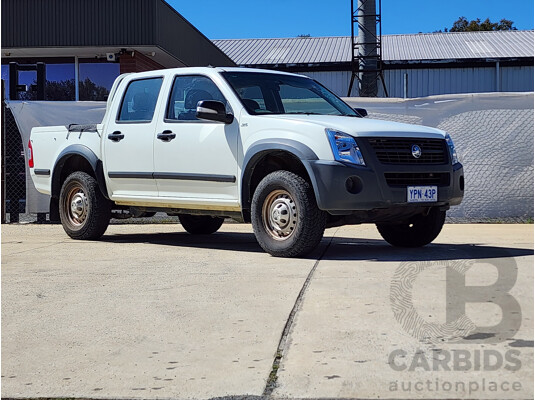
(140, 99)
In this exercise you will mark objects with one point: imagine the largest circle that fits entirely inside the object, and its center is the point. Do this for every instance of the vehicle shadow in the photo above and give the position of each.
(340, 248)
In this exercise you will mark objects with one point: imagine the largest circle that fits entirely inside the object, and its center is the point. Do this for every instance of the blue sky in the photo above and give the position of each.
(234, 19)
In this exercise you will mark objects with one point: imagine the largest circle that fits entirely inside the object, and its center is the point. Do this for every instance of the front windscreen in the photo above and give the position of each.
(266, 93)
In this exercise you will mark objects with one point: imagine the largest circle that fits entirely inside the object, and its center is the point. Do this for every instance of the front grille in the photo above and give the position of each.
(417, 178)
(399, 151)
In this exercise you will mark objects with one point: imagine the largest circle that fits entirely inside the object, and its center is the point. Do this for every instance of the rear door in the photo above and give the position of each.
(128, 144)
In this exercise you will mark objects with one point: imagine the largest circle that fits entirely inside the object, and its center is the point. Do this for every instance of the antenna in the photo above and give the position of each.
(366, 57)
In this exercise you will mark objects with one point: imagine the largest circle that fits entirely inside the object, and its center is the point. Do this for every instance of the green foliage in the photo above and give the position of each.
(60, 90)
(64, 91)
(91, 91)
(463, 25)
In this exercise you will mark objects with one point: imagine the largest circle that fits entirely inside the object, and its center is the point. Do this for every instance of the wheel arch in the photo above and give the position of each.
(266, 156)
(77, 157)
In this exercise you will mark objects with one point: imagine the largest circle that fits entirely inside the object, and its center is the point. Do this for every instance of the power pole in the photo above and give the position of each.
(366, 56)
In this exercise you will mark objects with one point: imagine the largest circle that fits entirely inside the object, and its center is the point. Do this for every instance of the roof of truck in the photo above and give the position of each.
(208, 70)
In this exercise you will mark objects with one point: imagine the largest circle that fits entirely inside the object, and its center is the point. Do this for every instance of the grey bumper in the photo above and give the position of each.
(343, 188)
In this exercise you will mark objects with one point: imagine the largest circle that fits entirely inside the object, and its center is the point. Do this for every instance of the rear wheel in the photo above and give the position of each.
(286, 219)
(415, 232)
(200, 224)
(84, 212)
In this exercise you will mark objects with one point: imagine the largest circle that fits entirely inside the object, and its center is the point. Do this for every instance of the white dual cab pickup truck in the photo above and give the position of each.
(275, 149)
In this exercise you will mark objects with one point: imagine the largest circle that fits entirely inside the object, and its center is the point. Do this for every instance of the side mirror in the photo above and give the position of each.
(213, 111)
(362, 112)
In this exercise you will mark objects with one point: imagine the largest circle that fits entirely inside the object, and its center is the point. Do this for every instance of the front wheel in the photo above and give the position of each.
(200, 224)
(84, 212)
(286, 219)
(415, 232)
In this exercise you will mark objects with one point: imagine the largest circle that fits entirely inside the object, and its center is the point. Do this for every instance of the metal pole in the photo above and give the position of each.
(41, 80)
(13, 80)
(368, 47)
(352, 54)
(498, 78)
(352, 28)
(405, 86)
(3, 139)
(76, 80)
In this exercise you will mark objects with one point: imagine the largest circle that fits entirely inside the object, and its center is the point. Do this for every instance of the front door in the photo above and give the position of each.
(129, 141)
(196, 159)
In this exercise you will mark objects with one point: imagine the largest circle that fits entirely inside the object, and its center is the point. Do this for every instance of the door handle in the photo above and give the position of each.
(166, 136)
(116, 136)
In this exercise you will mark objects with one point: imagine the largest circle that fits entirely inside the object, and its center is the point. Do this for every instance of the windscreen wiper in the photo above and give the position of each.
(303, 113)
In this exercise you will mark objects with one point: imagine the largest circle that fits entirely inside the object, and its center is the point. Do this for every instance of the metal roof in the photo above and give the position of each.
(411, 47)
(56, 24)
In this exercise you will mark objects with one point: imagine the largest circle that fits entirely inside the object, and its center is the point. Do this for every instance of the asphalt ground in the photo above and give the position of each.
(152, 312)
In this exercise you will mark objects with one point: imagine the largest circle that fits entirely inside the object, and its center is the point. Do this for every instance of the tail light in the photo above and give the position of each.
(30, 154)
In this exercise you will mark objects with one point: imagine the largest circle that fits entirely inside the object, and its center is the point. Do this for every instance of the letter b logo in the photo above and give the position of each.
(458, 326)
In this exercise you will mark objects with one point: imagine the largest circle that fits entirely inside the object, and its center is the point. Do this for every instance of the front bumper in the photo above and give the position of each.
(344, 188)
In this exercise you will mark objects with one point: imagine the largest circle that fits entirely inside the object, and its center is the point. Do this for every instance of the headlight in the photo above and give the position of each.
(344, 147)
(451, 147)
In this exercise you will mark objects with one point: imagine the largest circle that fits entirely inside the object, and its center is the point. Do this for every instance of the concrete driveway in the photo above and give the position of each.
(152, 312)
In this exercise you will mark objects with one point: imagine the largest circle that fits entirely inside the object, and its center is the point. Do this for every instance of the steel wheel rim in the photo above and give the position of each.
(76, 205)
(279, 214)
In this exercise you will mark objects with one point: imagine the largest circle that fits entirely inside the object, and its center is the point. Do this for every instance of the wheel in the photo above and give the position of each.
(416, 232)
(200, 224)
(286, 219)
(84, 212)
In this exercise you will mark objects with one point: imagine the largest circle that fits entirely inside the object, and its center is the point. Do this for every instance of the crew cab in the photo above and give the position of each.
(275, 149)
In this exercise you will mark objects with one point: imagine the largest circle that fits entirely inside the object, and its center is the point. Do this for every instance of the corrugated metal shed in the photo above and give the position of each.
(458, 45)
(413, 47)
(431, 81)
(287, 51)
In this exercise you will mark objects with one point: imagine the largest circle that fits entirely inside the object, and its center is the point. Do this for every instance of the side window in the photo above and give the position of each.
(187, 91)
(139, 100)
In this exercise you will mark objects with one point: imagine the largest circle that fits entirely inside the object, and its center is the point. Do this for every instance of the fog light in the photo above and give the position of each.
(354, 185)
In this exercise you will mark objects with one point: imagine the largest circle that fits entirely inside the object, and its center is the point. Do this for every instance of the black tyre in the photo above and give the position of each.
(84, 212)
(200, 224)
(146, 214)
(286, 219)
(416, 232)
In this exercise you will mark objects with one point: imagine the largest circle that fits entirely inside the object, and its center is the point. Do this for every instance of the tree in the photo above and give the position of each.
(60, 90)
(54, 90)
(463, 25)
(91, 91)
(64, 91)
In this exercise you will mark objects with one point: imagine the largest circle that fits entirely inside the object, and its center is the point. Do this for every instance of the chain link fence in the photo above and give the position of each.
(14, 172)
(499, 169)
(493, 133)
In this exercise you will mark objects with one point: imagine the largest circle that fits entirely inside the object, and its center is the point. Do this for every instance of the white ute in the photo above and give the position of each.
(275, 149)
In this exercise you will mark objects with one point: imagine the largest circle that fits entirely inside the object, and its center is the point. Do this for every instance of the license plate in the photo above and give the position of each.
(422, 194)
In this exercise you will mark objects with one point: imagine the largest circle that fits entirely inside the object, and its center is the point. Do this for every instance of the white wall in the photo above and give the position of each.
(428, 82)
(336, 81)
